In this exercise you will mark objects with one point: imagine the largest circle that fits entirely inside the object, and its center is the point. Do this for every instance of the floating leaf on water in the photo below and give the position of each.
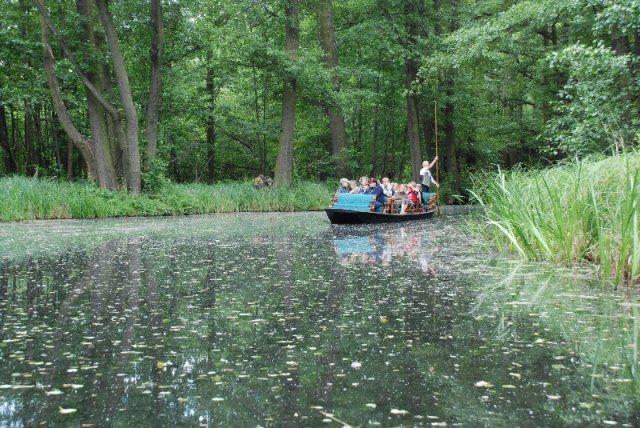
(483, 384)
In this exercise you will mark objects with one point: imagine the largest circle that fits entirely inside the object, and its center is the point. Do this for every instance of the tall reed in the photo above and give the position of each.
(23, 198)
(576, 212)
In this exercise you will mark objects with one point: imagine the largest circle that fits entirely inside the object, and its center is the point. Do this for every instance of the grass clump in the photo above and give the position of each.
(23, 198)
(576, 212)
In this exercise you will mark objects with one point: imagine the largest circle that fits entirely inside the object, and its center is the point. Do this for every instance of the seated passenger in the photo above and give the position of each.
(376, 189)
(353, 187)
(344, 186)
(386, 187)
(401, 198)
(364, 185)
(413, 194)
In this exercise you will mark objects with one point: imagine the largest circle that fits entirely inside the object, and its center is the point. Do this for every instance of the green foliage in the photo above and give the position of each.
(589, 106)
(155, 179)
(524, 82)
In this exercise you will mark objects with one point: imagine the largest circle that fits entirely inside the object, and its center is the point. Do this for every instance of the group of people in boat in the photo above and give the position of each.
(405, 197)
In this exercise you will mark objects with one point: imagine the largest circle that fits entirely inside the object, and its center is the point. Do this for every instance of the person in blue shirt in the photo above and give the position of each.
(376, 189)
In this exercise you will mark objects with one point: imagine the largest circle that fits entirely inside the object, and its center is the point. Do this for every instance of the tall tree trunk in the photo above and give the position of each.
(621, 46)
(260, 118)
(211, 125)
(104, 163)
(17, 154)
(96, 92)
(451, 161)
(9, 162)
(122, 78)
(375, 131)
(29, 134)
(636, 69)
(80, 141)
(284, 163)
(428, 133)
(69, 159)
(413, 132)
(331, 60)
(263, 141)
(29, 137)
(153, 109)
(413, 10)
(636, 66)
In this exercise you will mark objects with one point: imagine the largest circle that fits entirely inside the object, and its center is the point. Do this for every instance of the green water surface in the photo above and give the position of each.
(285, 320)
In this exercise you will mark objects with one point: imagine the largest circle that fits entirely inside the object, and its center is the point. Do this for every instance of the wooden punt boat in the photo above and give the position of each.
(354, 209)
(344, 216)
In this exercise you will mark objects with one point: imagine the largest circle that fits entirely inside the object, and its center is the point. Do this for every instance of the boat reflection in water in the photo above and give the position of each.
(414, 245)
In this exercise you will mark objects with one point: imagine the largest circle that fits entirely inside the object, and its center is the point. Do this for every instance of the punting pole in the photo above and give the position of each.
(435, 118)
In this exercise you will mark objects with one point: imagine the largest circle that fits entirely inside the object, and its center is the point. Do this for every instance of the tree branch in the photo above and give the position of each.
(67, 52)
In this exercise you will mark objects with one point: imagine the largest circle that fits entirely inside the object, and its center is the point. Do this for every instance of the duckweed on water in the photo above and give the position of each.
(246, 320)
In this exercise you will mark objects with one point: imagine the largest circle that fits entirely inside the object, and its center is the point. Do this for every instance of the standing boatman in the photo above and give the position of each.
(425, 175)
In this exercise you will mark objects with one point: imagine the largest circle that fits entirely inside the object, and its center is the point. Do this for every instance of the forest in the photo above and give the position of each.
(195, 91)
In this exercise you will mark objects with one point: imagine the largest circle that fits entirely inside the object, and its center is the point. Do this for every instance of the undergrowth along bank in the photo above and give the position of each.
(581, 211)
(23, 198)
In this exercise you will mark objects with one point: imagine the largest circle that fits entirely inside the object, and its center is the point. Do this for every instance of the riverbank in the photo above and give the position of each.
(581, 211)
(23, 198)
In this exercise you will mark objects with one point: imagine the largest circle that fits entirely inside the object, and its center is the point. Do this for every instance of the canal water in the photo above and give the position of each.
(282, 320)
